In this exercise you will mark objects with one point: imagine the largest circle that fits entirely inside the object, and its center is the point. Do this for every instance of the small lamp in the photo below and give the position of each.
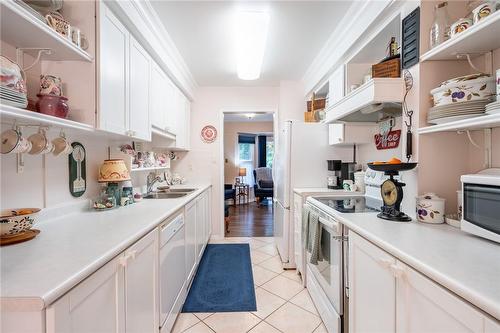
(242, 173)
(112, 172)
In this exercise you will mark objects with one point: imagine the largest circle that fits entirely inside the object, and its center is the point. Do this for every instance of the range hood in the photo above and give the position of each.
(371, 102)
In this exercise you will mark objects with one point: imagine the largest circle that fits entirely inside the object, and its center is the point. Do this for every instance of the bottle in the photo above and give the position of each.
(440, 29)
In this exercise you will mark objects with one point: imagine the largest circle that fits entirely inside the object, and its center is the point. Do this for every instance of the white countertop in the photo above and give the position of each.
(320, 190)
(72, 247)
(467, 265)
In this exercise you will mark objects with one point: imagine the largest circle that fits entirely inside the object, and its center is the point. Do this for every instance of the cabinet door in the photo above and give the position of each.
(140, 125)
(187, 124)
(425, 306)
(491, 325)
(372, 288)
(95, 305)
(141, 285)
(200, 225)
(336, 85)
(190, 225)
(335, 134)
(113, 72)
(158, 110)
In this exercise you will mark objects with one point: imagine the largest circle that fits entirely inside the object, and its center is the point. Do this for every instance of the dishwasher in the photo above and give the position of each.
(172, 271)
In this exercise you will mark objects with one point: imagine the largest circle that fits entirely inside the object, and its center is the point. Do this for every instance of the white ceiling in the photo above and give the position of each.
(202, 31)
(241, 117)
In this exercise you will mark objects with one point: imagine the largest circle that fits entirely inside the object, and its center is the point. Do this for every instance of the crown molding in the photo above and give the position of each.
(143, 21)
(351, 28)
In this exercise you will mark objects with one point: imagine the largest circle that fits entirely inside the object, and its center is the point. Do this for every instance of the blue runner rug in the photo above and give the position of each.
(224, 281)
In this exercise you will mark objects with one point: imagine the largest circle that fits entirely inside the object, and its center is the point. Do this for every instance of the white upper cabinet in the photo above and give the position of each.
(336, 85)
(124, 80)
(161, 99)
(139, 95)
(113, 73)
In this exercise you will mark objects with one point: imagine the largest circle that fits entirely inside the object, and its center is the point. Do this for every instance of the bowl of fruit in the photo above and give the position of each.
(393, 165)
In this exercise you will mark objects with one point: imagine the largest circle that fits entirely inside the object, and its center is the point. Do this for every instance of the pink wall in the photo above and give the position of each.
(205, 160)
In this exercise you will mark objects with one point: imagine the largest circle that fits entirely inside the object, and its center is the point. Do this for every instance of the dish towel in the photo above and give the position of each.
(314, 246)
(305, 226)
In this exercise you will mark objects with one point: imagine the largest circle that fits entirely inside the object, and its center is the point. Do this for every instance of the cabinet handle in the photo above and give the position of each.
(123, 261)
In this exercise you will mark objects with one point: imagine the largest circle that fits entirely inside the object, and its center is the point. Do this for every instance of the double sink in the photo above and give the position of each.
(170, 193)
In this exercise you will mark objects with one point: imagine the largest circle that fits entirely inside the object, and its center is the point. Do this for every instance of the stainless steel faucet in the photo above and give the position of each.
(151, 180)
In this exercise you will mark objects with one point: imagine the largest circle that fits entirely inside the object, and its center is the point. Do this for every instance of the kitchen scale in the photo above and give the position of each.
(392, 191)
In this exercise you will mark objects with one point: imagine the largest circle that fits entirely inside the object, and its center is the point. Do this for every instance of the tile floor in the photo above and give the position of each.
(283, 305)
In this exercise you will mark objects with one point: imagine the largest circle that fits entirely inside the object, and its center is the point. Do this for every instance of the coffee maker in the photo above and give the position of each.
(339, 171)
(334, 181)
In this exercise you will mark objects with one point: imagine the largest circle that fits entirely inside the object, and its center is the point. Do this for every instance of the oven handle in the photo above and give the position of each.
(346, 266)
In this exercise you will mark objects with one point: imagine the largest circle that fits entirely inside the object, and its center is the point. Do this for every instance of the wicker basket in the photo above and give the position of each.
(309, 117)
(389, 68)
(319, 104)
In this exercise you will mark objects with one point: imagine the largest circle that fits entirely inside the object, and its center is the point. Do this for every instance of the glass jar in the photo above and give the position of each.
(440, 29)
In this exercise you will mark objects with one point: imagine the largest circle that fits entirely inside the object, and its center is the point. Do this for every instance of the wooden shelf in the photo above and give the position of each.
(22, 29)
(477, 123)
(353, 107)
(148, 169)
(11, 115)
(480, 38)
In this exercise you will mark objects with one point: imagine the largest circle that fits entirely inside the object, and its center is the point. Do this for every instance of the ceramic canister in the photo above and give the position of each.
(430, 208)
(460, 26)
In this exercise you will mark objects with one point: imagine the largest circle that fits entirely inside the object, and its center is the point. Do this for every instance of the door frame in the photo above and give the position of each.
(236, 110)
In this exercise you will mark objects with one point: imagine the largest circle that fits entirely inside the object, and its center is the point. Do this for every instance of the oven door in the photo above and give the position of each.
(328, 270)
(481, 209)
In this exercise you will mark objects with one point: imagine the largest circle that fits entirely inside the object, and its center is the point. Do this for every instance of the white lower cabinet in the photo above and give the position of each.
(190, 226)
(387, 295)
(141, 285)
(119, 297)
(372, 288)
(95, 305)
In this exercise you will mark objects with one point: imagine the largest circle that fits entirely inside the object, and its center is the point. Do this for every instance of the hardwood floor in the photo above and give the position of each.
(249, 220)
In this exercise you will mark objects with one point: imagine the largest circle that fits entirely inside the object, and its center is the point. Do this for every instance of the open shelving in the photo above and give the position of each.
(376, 91)
(476, 123)
(31, 32)
(10, 114)
(479, 38)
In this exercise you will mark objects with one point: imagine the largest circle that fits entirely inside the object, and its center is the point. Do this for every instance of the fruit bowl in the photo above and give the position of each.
(392, 168)
(15, 221)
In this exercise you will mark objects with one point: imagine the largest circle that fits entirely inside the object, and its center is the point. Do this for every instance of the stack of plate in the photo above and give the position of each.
(456, 111)
(493, 108)
(13, 97)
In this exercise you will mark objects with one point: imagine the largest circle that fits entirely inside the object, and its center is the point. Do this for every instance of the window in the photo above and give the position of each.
(245, 152)
(269, 152)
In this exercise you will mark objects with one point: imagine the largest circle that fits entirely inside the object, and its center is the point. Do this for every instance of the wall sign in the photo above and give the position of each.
(390, 141)
(208, 134)
(77, 170)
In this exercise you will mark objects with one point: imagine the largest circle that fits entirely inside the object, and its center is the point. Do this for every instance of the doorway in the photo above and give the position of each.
(248, 153)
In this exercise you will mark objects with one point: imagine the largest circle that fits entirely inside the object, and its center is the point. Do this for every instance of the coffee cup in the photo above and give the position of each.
(61, 146)
(40, 144)
(483, 10)
(13, 142)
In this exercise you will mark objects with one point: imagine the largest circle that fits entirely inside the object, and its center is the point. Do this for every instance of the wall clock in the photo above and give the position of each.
(77, 170)
(208, 134)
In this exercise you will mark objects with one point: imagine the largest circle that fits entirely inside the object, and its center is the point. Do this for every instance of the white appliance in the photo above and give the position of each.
(172, 271)
(300, 161)
(481, 204)
(325, 280)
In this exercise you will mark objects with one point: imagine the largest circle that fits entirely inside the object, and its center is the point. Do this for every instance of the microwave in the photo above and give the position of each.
(481, 204)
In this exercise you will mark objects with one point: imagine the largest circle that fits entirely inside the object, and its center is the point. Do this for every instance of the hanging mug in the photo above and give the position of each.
(13, 142)
(61, 146)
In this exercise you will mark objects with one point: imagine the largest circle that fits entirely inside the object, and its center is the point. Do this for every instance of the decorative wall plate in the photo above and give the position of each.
(208, 134)
(77, 170)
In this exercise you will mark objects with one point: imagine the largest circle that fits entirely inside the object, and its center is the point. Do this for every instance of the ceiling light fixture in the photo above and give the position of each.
(251, 35)
(250, 115)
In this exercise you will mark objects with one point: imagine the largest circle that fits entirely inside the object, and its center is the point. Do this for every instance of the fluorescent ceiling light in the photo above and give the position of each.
(251, 35)
(250, 115)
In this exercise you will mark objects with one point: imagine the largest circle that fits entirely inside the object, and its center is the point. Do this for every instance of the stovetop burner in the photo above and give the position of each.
(347, 204)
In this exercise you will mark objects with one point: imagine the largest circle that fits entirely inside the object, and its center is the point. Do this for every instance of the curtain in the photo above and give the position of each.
(246, 138)
(262, 151)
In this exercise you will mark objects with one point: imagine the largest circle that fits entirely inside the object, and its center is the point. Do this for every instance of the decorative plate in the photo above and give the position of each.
(208, 134)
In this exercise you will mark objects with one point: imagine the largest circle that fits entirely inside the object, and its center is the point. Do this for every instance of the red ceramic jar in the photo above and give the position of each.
(52, 105)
